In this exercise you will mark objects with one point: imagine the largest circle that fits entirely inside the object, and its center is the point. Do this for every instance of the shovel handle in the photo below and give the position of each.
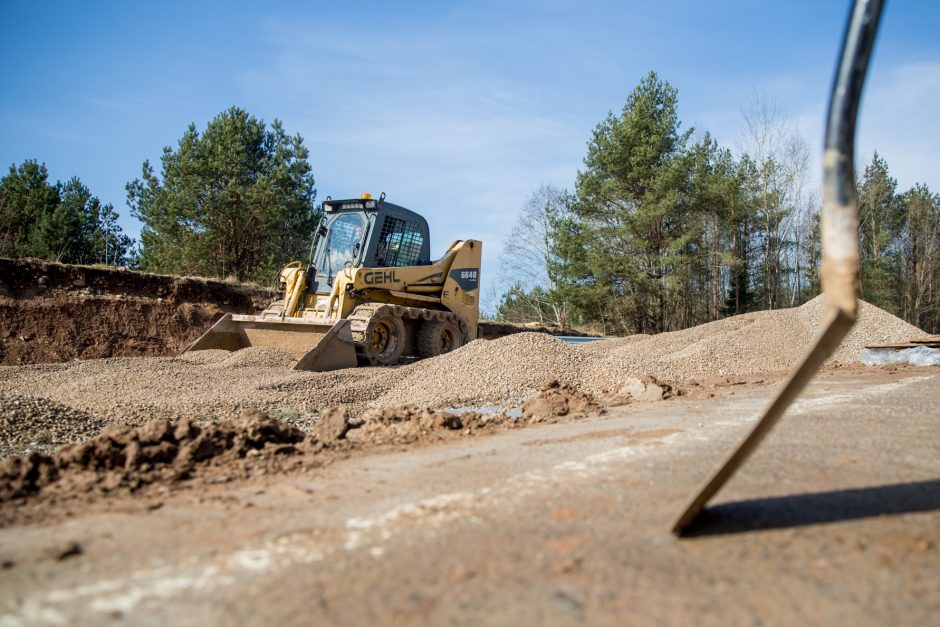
(840, 263)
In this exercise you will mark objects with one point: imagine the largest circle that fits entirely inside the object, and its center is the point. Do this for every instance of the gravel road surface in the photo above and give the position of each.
(835, 520)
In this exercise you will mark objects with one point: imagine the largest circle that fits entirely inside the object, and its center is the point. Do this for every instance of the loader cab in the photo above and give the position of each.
(365, 232)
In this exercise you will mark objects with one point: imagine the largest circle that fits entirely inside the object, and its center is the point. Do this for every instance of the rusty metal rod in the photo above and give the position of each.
(840, 264)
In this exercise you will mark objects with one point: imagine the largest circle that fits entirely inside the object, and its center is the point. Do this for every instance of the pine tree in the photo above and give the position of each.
(25, 198)
(235, 200)
(61, 233)
(920, 247)
(880, 220)
(629, 201)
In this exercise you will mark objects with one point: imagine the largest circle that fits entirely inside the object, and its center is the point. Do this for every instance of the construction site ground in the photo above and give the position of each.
(139, 486)
(835, 520)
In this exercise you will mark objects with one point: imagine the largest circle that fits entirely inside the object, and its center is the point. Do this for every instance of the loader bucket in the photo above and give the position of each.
(319, 344)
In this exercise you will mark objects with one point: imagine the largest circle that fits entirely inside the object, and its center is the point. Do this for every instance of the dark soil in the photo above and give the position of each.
(53, 312)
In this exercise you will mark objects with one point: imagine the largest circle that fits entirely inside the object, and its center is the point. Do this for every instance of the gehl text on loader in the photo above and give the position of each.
(370, 294)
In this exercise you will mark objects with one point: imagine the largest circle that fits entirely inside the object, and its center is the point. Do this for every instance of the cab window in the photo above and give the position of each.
(400, 243)
(346, 232)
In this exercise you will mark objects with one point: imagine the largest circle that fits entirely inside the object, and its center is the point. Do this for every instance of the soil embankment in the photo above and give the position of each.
(53, 312)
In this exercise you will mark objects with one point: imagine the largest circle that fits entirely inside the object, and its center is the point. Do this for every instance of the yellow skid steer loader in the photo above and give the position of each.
(370, 295)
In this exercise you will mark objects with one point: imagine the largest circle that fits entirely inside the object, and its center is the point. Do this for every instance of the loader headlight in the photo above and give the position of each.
(322, 302)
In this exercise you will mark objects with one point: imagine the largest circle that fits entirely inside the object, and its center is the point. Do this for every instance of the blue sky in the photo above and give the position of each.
(455, 109)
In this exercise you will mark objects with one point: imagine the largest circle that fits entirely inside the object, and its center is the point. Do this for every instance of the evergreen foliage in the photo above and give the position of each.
(235, 200)
(664, 232)
(60, 222)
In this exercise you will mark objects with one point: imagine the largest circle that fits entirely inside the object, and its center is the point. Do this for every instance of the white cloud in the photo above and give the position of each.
(459, 144)
(899, 119)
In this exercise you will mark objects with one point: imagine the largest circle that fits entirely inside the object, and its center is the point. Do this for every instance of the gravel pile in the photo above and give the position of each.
(756, 343)
(253, 357)
(36, 424)
(766, 342)
(508, 369)
(71, 401)
(132, 391)
(873, 326)
(212, 384)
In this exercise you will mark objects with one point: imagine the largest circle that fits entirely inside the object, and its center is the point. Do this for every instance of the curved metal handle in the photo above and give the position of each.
(840, 263)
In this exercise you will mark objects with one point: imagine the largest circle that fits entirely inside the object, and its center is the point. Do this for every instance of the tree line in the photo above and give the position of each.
(664, 231)
(235, 200)
(57, 221)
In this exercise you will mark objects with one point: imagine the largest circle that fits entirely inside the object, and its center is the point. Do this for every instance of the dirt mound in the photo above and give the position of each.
(555, 400)
(411, 424)
(123, 460)
(130, 458)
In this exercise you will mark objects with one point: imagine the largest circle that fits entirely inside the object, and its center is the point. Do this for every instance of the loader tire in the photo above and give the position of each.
(384, 339)
(436, 337)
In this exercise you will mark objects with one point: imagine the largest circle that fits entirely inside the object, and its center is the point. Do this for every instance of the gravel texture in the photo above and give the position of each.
(510, 368)
(766, 342)
(63, 403)
(30, 423)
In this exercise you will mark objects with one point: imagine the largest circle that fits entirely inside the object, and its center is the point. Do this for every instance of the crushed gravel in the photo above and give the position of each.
(30, 423)
(510, 368)
(71, 401)
(760, 343)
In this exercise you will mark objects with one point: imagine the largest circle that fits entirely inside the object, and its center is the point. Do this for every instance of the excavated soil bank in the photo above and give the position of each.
(53, 312)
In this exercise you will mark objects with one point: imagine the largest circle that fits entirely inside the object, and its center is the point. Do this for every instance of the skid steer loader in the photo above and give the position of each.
(370, 295)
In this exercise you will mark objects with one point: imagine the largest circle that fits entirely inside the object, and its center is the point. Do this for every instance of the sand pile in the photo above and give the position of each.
(766, 342)
(556, 400)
